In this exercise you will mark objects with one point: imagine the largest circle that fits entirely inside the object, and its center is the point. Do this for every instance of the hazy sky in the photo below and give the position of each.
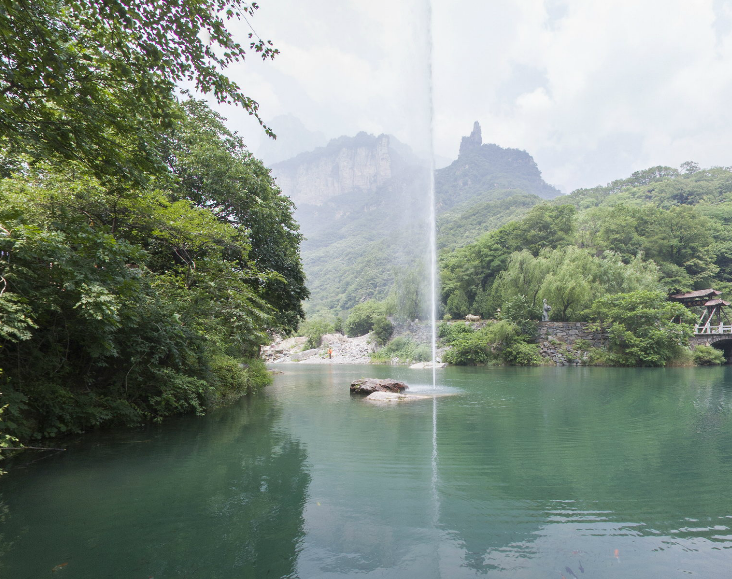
(592, 89)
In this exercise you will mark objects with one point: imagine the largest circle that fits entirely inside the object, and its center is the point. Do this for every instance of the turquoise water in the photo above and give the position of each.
(521, 472)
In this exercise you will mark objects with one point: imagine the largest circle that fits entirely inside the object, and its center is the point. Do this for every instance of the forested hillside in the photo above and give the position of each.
(362, 203)
(660, 229)
(608, 255)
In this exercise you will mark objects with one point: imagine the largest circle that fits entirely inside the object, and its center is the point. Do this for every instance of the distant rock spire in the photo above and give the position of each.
(474, 141)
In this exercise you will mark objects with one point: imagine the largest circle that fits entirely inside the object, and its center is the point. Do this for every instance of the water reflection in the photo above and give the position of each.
(217, 497)
(570, 466)
(525, 473)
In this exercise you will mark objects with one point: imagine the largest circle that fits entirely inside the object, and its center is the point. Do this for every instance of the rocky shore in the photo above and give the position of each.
(344, 350)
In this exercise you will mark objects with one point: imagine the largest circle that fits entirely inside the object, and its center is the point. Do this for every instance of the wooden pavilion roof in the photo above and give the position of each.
(712, 303)
(695, 298)
(697, 294)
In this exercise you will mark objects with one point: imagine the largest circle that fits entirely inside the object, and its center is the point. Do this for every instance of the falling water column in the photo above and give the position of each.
(431, 198)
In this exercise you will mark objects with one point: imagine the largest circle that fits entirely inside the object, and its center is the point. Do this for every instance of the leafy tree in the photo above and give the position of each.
(93, 81)
(214, 170)
(457, 304)
(483, 304)
(546, 226)
(519, 311)
(121, 304)
(682, 237)
(409, 292)
(567, 286)
(570, 278)
(383, 329)
(644, 328)
(362, 317)
(523, 276)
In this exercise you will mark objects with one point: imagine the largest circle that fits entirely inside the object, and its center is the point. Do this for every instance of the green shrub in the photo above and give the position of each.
(314, 330)
(643, 327)
(599, 357)
(234, 378)
(518, 311)
(497, 341)
(582, 345)
(683, 357)
(708, 356)
(520, 353)
(405, 350)
(469, 349)
(449, 333)
(383, 329)
(361, 320)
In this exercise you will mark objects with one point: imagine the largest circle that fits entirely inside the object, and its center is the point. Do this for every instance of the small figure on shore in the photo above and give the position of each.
(330, 354)
(545, 312)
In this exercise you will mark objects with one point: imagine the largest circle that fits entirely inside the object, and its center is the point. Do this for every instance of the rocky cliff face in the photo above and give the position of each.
(345, 165)
(361, 203)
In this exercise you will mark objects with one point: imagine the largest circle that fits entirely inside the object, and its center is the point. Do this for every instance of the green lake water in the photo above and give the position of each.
(520, 472)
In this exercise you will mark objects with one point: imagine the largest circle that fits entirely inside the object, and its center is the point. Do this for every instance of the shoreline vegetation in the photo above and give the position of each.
(145, 254)
(492, 343)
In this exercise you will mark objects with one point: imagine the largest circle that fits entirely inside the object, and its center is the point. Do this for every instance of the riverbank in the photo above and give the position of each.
(343, 350)
(555, 344)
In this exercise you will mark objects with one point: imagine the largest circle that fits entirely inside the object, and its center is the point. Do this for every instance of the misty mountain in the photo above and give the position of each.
(362, 205)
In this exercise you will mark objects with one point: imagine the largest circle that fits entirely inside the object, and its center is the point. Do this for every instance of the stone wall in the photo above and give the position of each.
(708, 339)
(556, 341)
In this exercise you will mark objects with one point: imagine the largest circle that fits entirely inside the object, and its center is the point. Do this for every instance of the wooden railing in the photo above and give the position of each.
(712, 329)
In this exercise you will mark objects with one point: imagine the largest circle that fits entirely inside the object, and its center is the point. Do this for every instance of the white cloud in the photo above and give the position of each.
(593, 90)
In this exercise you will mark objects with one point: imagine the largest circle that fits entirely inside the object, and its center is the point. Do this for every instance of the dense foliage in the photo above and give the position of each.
(144, 253)
(644, 328)
(362, 318)
(660, 229)
(497, 342)
(125, 303)
(708, 356)
(93, 81)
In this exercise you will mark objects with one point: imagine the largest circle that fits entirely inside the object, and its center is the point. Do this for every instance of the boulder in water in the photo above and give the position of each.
(386, 397)
(423, 365)
(371, 385)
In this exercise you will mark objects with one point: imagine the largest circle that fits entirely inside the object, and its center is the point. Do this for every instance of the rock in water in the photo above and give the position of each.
(423, 365)
(386, 397)
(370, 385)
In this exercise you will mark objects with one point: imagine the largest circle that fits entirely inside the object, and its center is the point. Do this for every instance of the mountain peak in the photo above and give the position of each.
(474, 141)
